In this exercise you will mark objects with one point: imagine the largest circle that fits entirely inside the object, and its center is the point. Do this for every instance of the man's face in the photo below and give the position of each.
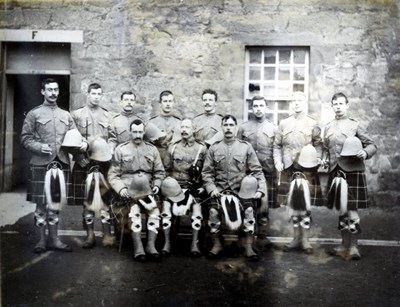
(167, 103)
(127, 102)
(94, 96)
(259, 108)
(186, 129)
(137, 133)
(229, 128)
(50, 92)
(340, 106)
(298, 103)
(209, 103)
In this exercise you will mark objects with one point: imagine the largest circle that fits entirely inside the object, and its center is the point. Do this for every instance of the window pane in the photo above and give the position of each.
(269, 56)
(269, 90)
(298, 73)
(284, 73)
(284, 105)
(284, 90)
(298, 88)
(255, 56)
(282, 116)
(284, 56)
(299, 56)
(269, 73)
(255, 73)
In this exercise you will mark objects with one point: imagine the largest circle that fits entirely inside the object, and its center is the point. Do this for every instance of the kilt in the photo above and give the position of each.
(35, 191)
(272, 190)
(79, 174)
(313, 183)
(357, 188)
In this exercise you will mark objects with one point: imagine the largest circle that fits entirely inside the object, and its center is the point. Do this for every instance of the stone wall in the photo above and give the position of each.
(189, 45)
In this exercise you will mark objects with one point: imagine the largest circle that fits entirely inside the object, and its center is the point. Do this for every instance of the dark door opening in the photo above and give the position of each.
(27, 96)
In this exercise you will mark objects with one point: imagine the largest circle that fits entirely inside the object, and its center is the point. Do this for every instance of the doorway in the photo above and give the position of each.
(26, 91)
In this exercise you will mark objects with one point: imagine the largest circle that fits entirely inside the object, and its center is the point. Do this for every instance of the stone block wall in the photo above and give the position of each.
(189, 45)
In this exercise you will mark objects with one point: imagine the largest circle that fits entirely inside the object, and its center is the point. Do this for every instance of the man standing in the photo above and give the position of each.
(347, 145)
(208, 124)
(167, 122)
(137, 164)
(119, 127)
(42, 134)
(294, 133)
(184, 161)
(93, 123)
(227, 163)
(260, 133)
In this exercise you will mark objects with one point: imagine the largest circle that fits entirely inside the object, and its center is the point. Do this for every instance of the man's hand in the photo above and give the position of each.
(156, 189)
(279, 166)
(215, 194)
(124, 193)
(258, 195)
(362, 154)
(84, 147)
(46, 149)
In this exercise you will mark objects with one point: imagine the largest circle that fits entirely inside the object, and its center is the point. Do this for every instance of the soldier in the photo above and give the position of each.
(167, 122)
(93, 123)
(260, 133)
(136, 166)
(208, 124)
(227, 163)
(119, 127)
(294, 133)
(184, 161)
(346, 146)
(42, 134)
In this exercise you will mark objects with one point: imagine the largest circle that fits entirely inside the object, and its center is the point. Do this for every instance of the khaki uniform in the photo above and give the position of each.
(130, 159)
(170, 125)
(181, 156)
(119, 129)
(227, 164)
(207, 126)
(337, 131)
(92, 124)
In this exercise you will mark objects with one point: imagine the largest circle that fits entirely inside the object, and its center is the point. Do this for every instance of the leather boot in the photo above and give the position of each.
(343, 248)
(305, 243)
(138, 251)
(295, 243)
(90, 241)
(354, 253)
(54, 242)
(194, 248)
(166, 250)
(40, 247)
(151, 250)
(216, 248)
(248, 248)
(108, 238)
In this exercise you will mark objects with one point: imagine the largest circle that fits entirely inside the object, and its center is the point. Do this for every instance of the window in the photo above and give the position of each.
(275, 73)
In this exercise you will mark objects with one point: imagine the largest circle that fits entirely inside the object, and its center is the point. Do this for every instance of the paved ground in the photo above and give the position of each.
(104, 277)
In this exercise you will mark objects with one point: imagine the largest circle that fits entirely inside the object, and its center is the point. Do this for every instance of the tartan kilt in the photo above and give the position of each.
(79, 174)
(36, 175)
(357, 188)
(272, 190)
(313, 183)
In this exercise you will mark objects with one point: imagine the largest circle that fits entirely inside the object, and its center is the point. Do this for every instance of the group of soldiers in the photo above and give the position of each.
(224, 176)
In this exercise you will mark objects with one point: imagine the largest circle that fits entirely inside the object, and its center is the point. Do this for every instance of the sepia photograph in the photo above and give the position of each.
(199, 153)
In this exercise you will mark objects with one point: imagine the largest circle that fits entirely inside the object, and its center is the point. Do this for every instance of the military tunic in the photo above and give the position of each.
(130, 159)
(293, 134)
(227, 163)
(207, 126)
(261, 134)
(45, 124)
(336, 133)
(119, 129)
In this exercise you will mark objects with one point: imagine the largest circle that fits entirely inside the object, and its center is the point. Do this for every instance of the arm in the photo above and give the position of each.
(158, 170)
(27, 139)
(115, 172)
(368, 144)
(277, 149)
(255, 168)
(208, 172)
